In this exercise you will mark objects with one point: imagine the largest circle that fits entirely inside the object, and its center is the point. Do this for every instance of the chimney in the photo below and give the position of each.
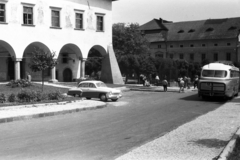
(161, 20)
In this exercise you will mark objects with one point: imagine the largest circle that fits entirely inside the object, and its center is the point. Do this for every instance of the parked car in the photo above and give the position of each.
(95, 89)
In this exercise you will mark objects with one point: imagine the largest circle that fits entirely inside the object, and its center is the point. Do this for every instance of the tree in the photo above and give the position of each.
(94, 62)
(129, 46)
(41, 61)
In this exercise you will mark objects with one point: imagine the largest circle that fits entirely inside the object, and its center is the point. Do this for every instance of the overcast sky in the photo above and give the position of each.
(142, 11)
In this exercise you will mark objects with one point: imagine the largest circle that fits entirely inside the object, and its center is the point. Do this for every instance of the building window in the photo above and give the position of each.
(192, 45)
(215, 57)
(228, 44)
(203, 45)
(2, 13)
(181, 46)
(78, 20)
(192, 57)
(100, 22)
(65, 58)
(209, 30)
(159, 46)
(28, 15)
(159, 55)
(55, 17)
(203, 56)
(171, 56)
(232, 28)
(191, 31)
(181, 56)
(228, 56)
(171, 46)
(215, 44)
(181, 31)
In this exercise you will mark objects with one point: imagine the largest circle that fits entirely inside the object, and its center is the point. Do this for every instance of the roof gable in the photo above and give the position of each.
(197, 30)
(154, 24)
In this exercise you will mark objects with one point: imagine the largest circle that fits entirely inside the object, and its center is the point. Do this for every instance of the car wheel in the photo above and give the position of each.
(88, 97)
(103, 97)
(114, 100)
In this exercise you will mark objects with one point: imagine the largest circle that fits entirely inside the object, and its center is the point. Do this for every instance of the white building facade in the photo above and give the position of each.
(70, 28)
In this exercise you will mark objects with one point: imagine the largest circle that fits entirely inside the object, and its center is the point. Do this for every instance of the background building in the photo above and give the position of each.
(194, 41)
(70, 28)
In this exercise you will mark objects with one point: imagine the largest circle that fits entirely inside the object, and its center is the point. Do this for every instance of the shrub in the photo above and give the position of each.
(19, 83)
(12, 98)
(41, 96)
(27, 96)
(57, 95)
(2, 98)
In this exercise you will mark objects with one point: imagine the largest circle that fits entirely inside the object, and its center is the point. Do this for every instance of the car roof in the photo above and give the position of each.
(94, 81)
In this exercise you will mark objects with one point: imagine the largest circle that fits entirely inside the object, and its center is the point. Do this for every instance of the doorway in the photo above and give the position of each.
(67, 75)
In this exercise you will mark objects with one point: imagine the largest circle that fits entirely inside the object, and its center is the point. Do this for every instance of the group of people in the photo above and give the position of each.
(186, 81)
(146, 82)
(183, 82)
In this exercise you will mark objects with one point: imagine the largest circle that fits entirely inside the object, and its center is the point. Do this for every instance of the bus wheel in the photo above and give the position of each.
(236, 94)
(204, 97)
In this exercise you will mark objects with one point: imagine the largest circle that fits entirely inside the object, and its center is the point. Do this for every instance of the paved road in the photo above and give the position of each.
(105, 133)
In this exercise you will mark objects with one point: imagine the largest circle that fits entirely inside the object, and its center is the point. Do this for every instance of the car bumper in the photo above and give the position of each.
(112, 96)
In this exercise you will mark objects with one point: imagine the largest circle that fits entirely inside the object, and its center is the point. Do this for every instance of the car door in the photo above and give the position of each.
(93, 91)
(84, 88)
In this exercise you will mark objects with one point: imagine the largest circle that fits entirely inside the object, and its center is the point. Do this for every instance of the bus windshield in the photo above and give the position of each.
(214, 73)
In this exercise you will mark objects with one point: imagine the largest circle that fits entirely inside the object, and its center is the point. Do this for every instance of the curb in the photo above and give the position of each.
(230, 146)
(160, 90)
(47, 114)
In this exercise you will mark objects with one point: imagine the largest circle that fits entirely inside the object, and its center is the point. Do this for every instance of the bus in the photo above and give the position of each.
(219, 79)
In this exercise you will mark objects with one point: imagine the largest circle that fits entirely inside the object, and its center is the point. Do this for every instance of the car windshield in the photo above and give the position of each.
(214, 73)
(100, 84)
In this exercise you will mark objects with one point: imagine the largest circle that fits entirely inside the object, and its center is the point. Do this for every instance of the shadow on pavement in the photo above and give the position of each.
(208, 99)
(211, 143)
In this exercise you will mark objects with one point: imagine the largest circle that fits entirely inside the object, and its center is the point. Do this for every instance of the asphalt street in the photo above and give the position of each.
(105, 133)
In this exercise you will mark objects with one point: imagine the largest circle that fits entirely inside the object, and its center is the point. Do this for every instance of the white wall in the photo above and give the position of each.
(19, 37)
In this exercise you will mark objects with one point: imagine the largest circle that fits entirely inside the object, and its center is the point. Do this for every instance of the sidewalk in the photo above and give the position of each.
(205, 138)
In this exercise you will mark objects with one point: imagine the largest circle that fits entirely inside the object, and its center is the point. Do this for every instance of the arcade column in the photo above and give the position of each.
(17, 68)
(83, 62)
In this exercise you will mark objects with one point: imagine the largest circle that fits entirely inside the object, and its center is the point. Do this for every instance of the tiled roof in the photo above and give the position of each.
(154, 24)
(197, 30)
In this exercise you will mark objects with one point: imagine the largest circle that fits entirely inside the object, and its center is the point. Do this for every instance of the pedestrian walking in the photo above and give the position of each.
(188, 82)
(165, 84)
(142, 79)
(181, 85)
(195, 84)
(185, 81)
(157, 80)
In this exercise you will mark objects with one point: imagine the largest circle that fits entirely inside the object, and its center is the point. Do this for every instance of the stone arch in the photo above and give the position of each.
(99, 49)
(26, 60)
(70, 57)
(8, 48)
(94, 61)
(7, 55)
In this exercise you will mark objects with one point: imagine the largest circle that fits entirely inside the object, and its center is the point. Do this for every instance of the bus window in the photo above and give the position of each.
(220, 74)
(208, 73)
(214, 73)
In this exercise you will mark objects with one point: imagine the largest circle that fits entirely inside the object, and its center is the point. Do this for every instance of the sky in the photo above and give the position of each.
(143, 11)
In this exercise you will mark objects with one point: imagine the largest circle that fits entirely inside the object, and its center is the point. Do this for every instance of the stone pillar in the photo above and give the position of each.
(17, 68)
(53, 74)
(83, 68)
